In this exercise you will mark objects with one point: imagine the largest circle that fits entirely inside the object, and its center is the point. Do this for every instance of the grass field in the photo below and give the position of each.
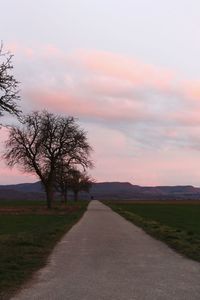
(28, 233)
(177, 224)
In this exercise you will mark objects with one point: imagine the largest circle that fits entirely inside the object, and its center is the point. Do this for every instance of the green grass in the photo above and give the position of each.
(177, 224)
(20, 203)
(27, 239)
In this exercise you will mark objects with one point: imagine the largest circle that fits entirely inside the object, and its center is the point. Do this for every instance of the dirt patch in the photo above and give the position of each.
(38, 210)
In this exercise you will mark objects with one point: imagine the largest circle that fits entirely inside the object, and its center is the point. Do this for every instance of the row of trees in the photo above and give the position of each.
(72, 179)
(53, 147)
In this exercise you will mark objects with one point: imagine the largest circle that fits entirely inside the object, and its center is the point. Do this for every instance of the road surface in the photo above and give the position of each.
(105, 257)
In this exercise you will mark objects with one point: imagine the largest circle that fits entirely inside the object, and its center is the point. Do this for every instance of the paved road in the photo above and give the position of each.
(104, 257)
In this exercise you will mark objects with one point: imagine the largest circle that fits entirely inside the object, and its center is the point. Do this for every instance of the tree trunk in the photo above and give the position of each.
(49, 195)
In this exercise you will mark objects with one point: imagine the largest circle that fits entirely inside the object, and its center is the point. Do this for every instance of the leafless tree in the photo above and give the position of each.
(68, 177)
(42, 141)
(62, 181)
(9, 92)
(79, 181)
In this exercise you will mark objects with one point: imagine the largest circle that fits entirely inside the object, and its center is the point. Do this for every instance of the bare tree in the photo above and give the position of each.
(62, 180)
(68, 177)
(9, 92)
(42, 141)
(79, 181)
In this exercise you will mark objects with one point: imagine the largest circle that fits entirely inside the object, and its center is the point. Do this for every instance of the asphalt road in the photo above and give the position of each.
(104, 257)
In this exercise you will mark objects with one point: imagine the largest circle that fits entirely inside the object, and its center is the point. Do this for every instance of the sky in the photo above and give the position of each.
(128, 70)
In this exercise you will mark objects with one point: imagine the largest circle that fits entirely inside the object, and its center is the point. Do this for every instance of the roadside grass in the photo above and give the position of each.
(177, 224)
(21, 203)
(27, 237)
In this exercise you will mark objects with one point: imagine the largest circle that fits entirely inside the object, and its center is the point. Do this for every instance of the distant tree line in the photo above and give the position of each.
(51, 146)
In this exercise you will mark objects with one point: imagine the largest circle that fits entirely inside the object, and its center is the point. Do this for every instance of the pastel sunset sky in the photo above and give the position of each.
(128, 70)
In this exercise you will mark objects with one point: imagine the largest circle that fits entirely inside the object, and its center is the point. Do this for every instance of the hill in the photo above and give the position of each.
(107, 190)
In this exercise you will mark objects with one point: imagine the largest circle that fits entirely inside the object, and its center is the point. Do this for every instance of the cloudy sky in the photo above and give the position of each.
(129, 70)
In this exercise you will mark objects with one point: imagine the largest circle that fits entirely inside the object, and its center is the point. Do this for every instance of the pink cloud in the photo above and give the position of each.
(52, 51)
(103, 108)
(191, 89)
(107, 64)
(187, 118)
(106, 69)
(109, 86)
(121, 67)
(104, 85)
(46, 51)
(26, 51)
(171, 133)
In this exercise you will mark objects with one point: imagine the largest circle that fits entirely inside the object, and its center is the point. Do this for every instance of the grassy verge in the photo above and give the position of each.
(178, 225)
(27, 236)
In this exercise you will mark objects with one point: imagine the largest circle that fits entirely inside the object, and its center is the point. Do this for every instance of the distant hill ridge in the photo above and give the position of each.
(107, 190)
